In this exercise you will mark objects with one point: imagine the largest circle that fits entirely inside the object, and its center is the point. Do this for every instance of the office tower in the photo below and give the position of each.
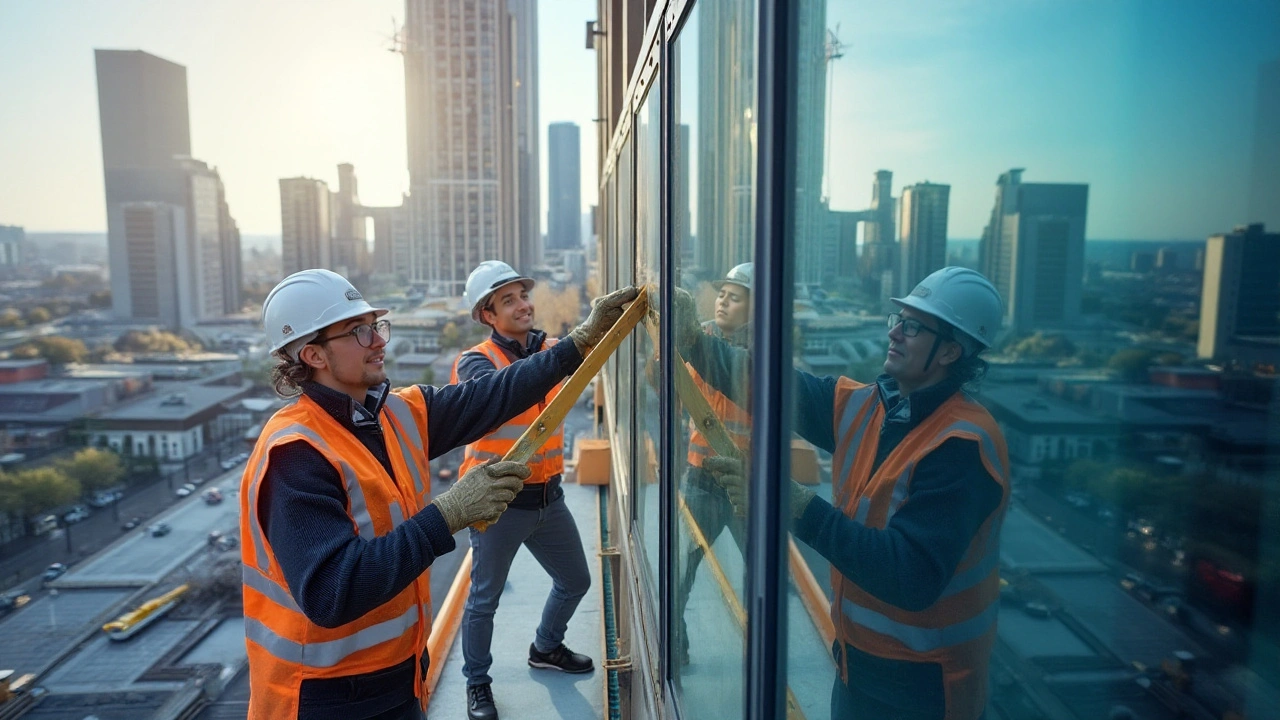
(879, 248)
(154, 243)
(1033, 251)
(232, 265)
(1239, 296)
(1142, 262)
(528, 141)
(681, 210)
(564, 170)
(305, 232)
(843, 262)
(146, 149)
(1167, 260)
(350, 241)
(922, 232)
(11, 239)
(1264, 189)
(814, 239)
(391, 239)
(461, 138)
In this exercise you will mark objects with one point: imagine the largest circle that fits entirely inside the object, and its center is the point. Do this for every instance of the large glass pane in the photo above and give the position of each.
(648, 370)
(1090, 531)
(712, 210)
(622, 453)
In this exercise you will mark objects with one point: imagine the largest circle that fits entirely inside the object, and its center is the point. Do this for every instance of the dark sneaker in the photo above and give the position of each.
(480, 703)
(562, 659)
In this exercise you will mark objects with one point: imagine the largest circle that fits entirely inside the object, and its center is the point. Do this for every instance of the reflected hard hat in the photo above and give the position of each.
(485, 280)
(744, 275)
(964, 299)
(306, 302)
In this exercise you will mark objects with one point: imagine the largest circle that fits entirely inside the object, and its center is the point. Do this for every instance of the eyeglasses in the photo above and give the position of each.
(363, 333)
(910, 328)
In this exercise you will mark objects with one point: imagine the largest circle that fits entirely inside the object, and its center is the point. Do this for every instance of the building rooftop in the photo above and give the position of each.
(177, 401)
(1029, 406)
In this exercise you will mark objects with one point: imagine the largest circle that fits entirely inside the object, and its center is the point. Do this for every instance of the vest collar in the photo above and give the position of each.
(514, 348)
(346, 410)
(917, 406)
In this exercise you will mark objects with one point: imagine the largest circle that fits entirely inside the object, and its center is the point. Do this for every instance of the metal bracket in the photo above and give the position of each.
(622, 663)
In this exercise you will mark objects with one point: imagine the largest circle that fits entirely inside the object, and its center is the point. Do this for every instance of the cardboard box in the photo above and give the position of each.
(593, 461)
(804, 462)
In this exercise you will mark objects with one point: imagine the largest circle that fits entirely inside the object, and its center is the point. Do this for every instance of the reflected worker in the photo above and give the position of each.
(538, 517)
(920, 481)
(704, 496)
(337, 523)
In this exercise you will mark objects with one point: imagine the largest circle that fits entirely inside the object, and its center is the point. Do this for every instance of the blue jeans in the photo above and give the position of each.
(552, 537)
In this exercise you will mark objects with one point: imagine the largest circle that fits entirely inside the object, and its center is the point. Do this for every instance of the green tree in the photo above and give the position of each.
(154, 341)
(450, 336)
(1132, 363)
(11, 318)
(1082, 473)
(29, 492)
(94, 469)
(57, 350)
(1044, 347)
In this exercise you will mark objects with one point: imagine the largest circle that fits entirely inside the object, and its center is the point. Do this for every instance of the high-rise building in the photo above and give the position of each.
(391, 239)
(146, 158)
(1264, 187)
(1033, 250)
(879, 246)
(459, 97)
(232, 265)
(1167, 259)
(11, 240)
(1240, 296)
(814, 239)
(154, 239)
(922, 232)
(305, 232)
(524, 34)
(564, 186)
(350, 241)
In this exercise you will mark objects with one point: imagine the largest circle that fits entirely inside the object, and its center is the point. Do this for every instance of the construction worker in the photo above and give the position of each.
(338, 526)
(920, 484)
(706, 499)
(538, 517)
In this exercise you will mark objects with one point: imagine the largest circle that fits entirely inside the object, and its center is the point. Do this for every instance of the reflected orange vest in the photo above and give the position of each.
(549, 460)
(959, 630)
(737, 422)
(285, 647)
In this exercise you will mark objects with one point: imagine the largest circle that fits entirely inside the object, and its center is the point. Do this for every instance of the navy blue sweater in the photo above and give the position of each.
(909, 562)
(335, 576)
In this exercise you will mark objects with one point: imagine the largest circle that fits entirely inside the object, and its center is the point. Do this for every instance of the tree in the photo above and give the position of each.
(100, 299)
(94, 469)
(557, 310)
(57, 350)
(449, 336)
(11, 318)
(153, 341)
(38, 315)
(1083, 473)
(1132, 363)
(1042, 346)
(33, 491)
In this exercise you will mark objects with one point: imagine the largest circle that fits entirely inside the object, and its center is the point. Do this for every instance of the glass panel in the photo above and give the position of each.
(1091, 531)
(624, 356)
(648, 371)
(713, 213)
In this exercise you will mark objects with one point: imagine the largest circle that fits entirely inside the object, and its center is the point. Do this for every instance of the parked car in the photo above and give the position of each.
(105, 498)
(54, 571)
(131, 523)
(77, 514)
(197, 480)
(185, 490)
(160, 529)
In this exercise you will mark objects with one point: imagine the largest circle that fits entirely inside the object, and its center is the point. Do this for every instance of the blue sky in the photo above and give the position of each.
(1148, 101)
(276, 89)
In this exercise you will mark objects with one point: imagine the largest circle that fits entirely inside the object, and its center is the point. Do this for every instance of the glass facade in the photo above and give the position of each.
(853, 485)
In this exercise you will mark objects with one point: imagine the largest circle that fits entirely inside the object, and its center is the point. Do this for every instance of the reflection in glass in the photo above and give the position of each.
(648, 370)
(1130, 224)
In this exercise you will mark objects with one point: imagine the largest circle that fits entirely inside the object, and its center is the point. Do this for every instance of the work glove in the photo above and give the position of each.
(605, 311)
(728, 472)
(687, 327)
(482, 494)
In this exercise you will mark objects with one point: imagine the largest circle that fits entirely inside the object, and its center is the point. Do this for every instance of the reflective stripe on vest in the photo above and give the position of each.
(922, 639)
(403, 415)
(331, 652)
(736, 421)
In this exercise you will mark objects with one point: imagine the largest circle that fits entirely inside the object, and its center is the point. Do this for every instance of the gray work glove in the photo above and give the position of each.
(728, 472)
(605, 311)
(482, 494)
(687, 327)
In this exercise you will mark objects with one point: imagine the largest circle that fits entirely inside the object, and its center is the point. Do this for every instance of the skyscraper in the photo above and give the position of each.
(1264, 188)
(154, 239)
(146, 149)
(459, 97)
(812, 224)
(1033, 250)
(350, 244)
(1240, 296)
(11, 239)
(232, 265)
(879, 246)
(524, 35)
(564, 185)
(305, 232)
(922, 232)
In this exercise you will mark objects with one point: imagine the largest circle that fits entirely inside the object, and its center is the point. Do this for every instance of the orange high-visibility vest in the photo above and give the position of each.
(549, 460)
(737, 422)
(959, 630)
(285, 647)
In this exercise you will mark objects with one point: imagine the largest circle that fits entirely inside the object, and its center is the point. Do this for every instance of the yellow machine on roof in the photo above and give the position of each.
(133, 622)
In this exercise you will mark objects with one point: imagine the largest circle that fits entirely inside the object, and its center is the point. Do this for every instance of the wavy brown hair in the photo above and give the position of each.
(288, 375)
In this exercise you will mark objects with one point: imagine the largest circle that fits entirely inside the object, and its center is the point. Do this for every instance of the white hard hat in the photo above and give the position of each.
(744, 275)
(964, 299)
(485, 279)
(308, 301)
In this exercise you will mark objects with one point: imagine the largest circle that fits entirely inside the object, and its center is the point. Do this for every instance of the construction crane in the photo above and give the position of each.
(832, 49)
